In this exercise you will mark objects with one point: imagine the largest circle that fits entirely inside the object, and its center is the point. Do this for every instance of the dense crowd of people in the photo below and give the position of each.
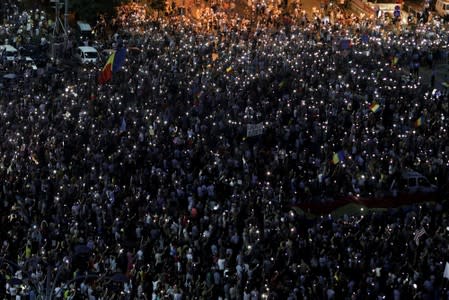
(152, 187)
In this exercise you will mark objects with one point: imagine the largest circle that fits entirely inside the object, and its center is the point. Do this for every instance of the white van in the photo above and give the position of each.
(413, 182)
(86, 55)
(8, 52)
(442, 8)
(83, 31)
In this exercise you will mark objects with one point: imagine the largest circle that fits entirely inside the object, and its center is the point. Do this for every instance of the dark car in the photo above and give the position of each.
(37, 52)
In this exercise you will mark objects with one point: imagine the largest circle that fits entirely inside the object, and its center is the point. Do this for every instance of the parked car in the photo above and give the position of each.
(86, 55)
(37, 53)
(83, 31)
(8, 52)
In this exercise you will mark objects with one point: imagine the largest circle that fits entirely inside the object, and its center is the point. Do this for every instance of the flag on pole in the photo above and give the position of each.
(418, 234)
(106, 72)
(113, 64)
(119, 60)
(419, 121)
(374, 107)
(338, 157)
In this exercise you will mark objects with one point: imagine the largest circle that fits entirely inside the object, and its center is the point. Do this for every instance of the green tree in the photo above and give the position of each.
(157, 5)
(88, 10)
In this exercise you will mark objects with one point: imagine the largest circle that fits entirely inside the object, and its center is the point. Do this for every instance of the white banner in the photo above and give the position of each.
(254, 129)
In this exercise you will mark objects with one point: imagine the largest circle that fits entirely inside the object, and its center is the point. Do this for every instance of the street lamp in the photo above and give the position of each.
(58, 23)
(66, 14)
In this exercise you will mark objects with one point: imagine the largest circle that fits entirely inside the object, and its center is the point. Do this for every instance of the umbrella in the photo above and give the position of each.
(10, 76)
(119, 277)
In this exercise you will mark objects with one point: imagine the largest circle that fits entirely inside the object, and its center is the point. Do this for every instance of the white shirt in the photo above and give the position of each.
(221, 264)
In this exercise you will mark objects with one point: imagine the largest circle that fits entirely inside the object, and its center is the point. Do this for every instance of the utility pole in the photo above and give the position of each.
(58, 23)
(66, 14)
(55, 29)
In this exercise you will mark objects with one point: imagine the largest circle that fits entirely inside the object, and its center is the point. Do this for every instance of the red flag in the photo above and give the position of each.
(106, 72)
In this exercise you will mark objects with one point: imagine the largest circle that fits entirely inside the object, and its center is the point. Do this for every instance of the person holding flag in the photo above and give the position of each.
(113, 65)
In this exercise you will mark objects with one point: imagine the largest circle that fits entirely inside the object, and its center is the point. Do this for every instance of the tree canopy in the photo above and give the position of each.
(157, 4)
(88, 10)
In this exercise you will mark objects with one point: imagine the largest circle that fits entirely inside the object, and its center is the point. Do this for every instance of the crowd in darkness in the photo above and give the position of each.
(149, 186)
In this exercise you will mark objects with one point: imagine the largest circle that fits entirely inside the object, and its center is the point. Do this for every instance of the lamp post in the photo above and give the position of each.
(66, 14)
(58, 23)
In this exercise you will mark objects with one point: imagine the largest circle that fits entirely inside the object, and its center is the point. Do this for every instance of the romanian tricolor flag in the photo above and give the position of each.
(113, 64)
(338, 157)
(374, 107)
(419, 121)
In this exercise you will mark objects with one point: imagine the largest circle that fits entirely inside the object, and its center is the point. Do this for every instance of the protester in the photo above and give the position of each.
(149, 186)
